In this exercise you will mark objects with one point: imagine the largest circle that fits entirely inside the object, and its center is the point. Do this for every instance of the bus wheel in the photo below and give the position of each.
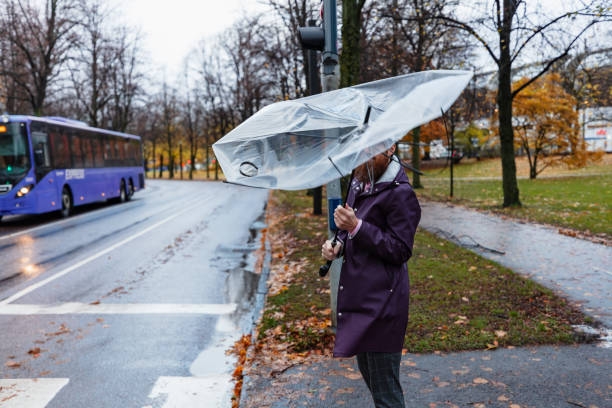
(130, 191)
(66, 203)
(122, 193)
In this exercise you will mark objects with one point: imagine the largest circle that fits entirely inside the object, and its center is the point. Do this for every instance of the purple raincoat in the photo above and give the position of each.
(373, 292)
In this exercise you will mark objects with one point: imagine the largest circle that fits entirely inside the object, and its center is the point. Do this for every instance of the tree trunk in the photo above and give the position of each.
(153, 158)
(504, 103)
(351, 35)
(207, 159)
(171, 166)
(416, 157)
(191, 166)
(161, 165)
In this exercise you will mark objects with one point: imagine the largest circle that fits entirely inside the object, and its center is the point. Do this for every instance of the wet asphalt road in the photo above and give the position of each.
(128, 305)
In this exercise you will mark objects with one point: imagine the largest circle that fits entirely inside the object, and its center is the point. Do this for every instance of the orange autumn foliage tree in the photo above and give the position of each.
(546, 123)
(433, 130)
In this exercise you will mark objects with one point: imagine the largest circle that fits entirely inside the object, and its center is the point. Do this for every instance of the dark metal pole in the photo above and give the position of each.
(330, 81)
(314, 84)
(181, 159)
(452, 160)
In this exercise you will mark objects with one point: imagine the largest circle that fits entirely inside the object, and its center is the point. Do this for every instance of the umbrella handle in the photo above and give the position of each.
(325, 268)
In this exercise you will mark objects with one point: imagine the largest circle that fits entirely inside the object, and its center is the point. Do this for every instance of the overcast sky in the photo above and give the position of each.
(172, 28)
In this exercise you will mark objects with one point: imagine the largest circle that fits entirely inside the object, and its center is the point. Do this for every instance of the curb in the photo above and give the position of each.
(260, 299)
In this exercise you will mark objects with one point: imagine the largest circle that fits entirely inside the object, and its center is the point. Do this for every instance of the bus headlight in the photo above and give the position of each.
(24, 190)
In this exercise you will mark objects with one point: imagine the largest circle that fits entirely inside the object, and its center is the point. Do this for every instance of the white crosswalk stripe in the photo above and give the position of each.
(213, 391)
(29, 392)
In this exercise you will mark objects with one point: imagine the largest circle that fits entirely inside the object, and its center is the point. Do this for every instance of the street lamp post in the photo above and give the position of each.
(324, 39)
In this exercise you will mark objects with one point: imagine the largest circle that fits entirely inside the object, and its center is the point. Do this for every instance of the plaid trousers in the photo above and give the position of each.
(380, 372)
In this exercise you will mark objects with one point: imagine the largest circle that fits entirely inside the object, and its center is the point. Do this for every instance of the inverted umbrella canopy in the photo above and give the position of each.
(304, 143)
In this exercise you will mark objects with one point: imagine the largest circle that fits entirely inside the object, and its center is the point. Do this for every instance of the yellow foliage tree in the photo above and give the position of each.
(546, 123)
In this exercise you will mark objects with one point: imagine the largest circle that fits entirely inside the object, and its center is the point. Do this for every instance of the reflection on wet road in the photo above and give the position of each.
(580, 269)
(151, 293)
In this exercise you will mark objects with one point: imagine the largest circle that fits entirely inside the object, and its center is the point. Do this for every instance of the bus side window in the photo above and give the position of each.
(88, 159)
(60, 152)
(108, 155)
(126, 152)
(40, 144)
(135, 153)
(98, 150)
(115, 153)
(75, 149)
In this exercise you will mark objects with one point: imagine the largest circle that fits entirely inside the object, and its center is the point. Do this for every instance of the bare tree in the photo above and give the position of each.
(126, 78)
(169, 116)
(93, 63)
(511, 30)
(41, 40)
(192, 118)
(287, 52)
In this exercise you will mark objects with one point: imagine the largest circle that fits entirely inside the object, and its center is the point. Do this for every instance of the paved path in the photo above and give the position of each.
(579, 269)
(538, 377)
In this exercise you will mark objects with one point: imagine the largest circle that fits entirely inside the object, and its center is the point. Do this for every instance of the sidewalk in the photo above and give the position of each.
(580, 270)
(539, 377)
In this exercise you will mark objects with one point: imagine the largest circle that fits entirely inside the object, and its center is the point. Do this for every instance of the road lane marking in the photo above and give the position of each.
(29, 392)
(118, 308)
(85, 261)
(212, 391)
(603, 270)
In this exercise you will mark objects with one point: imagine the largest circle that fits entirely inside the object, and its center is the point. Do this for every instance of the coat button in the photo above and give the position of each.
(391, 290)
(339, 314)
(341, 287)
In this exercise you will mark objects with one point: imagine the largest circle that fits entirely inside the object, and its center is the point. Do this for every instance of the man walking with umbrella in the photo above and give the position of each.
(377, 227)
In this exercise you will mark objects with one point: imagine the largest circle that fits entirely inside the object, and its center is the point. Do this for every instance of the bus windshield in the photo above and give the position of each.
(14, 151)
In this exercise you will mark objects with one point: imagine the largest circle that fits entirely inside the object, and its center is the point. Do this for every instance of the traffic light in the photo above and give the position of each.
(312, 38)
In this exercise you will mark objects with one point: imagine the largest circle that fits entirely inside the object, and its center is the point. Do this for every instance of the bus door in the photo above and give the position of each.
(46, 190)
(75, 176)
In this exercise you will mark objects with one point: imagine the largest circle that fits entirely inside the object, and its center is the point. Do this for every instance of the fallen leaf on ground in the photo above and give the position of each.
(500, 333)
(503, 398)
(12, 364)
(480, 380)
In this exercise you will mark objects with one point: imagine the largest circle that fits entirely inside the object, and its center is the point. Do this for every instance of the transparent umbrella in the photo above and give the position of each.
(306, 142)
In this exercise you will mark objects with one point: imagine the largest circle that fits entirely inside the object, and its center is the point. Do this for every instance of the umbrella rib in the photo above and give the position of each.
(336, 167)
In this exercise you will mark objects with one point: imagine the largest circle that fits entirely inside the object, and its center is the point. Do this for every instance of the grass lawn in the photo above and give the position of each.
(197, 175)
(580, 202)
(459, 301)
(492, 168)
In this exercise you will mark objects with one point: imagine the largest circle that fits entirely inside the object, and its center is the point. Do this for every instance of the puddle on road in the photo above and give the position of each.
(603, 336)
(238, 262)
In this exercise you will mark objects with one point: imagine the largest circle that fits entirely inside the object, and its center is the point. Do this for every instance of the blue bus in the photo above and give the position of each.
(55, 164)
